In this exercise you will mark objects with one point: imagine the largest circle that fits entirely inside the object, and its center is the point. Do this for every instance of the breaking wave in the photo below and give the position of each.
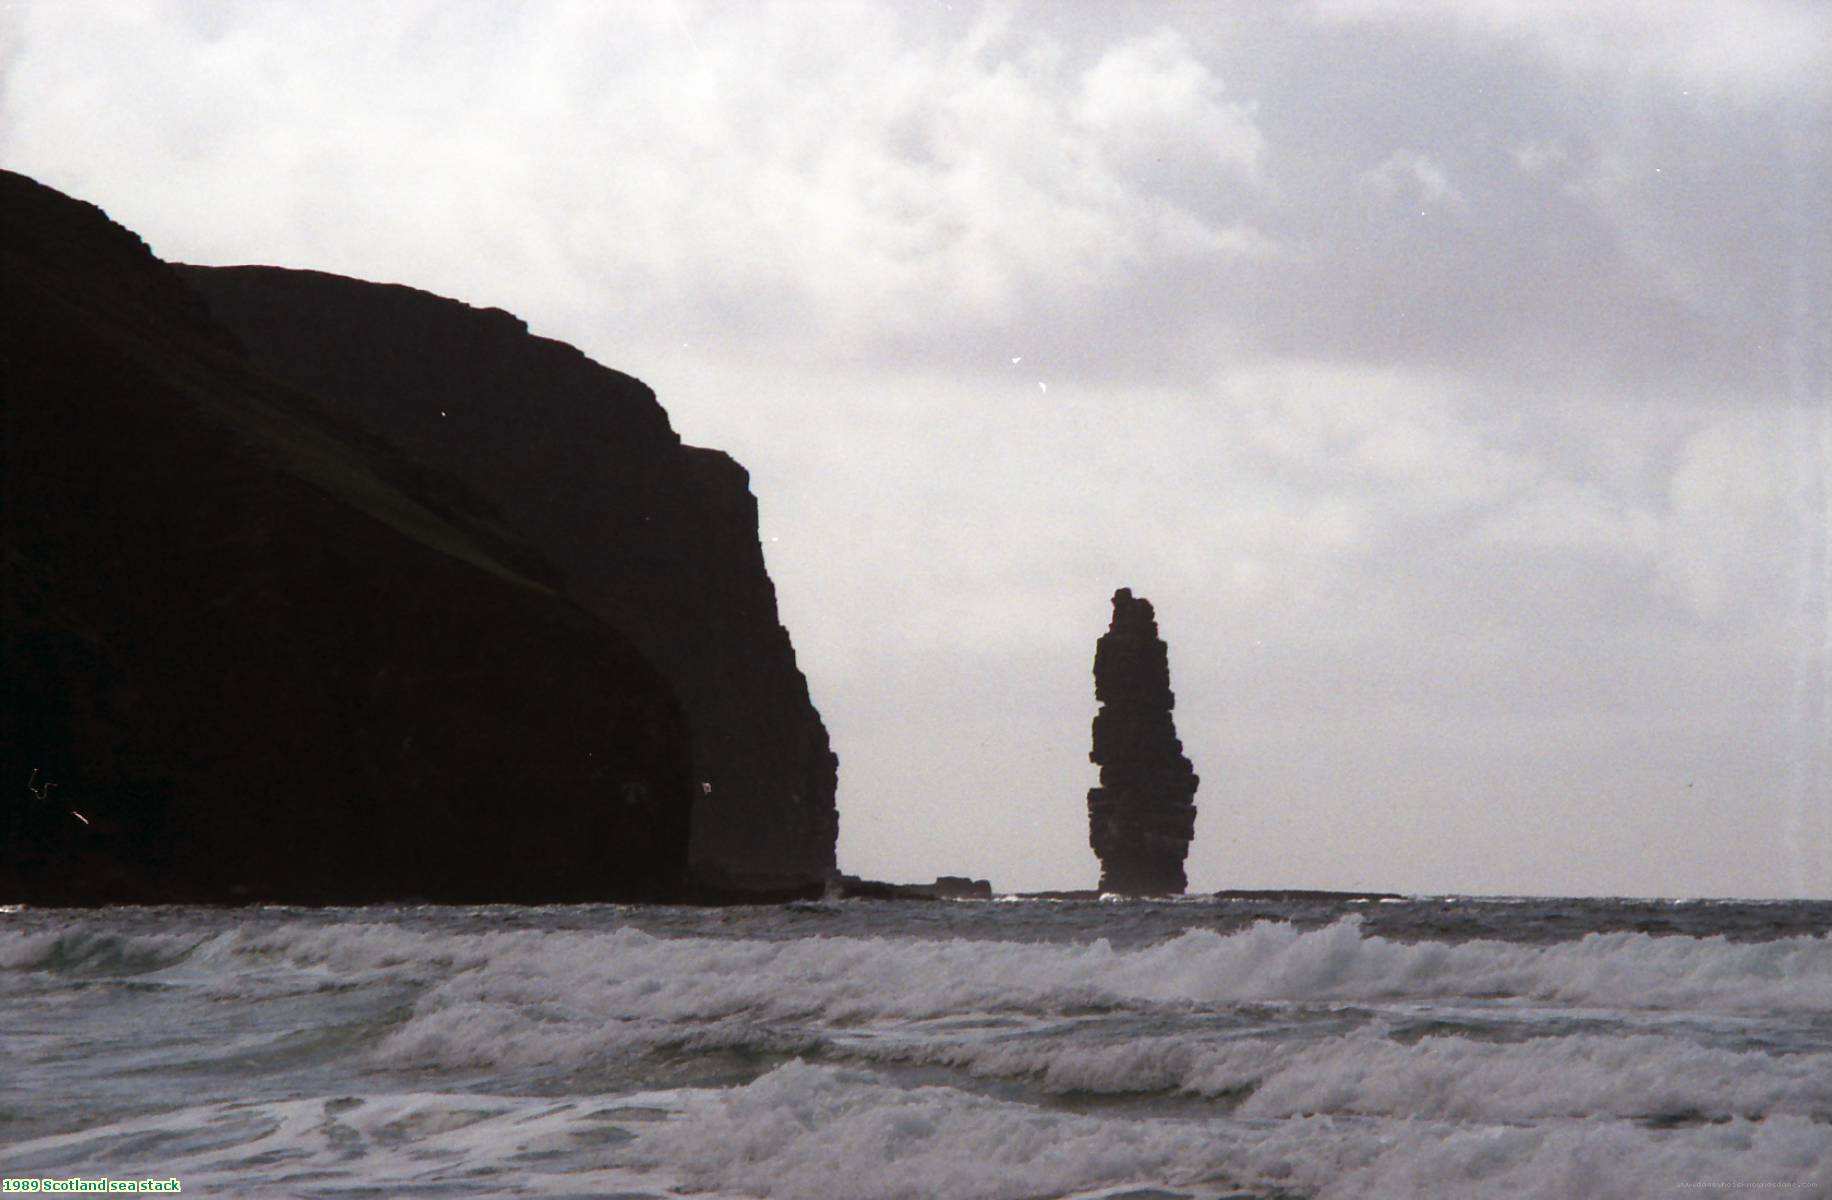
(807, 1131)
(629, 974)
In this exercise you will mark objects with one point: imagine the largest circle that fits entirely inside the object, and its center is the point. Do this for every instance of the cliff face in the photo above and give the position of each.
(251, 652)
(657, 538)
(1143, 815)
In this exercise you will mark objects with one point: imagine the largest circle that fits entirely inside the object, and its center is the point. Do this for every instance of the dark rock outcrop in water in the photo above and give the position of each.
(1143, 815)
(945, 887)
(254, 652)
(657, 538)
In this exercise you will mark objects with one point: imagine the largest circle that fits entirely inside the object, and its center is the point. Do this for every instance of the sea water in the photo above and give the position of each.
(1017, 1049)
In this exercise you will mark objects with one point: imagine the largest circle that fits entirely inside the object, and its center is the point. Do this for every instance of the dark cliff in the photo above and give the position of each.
(658, 538)
(1142, 817)
(253, 652)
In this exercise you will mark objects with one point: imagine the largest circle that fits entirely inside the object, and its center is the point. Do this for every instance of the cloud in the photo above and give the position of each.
(1745, 537)
(1532, 157)
(1155, 102)
(835, 166)
(1663, 187)
(1421, 177)
(867, 182)
(1752, 51)
(1563, 516)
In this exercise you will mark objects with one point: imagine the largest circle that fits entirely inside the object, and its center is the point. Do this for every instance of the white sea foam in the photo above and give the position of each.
(518, 998)
(1365, 1072)
(491, 991)
(817, 1132)
(422, 1143)
(849, 978)
(1645, 1076)
(81, 950)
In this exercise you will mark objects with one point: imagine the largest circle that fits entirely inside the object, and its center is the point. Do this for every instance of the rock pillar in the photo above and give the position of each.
(1142, 816)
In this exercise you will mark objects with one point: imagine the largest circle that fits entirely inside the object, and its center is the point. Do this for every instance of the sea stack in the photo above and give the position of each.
(1142, 816)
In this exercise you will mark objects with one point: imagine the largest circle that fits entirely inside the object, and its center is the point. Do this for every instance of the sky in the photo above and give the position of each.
(1452, 376)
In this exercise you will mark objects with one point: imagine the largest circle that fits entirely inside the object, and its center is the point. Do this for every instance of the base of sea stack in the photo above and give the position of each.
(1259, 896)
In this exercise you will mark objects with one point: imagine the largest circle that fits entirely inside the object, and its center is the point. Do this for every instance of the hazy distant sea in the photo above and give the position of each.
(1430, 1047)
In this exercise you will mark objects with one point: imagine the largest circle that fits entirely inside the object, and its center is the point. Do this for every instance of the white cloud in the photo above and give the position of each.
(1753, 50)
(1419, 177)
(1561, 515)
(1744, 536)
(1155, 100)
(1407, 441)
(835, 166)
(1534, 157)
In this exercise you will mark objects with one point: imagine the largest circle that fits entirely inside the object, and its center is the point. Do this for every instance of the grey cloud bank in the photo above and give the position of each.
(1453, 378)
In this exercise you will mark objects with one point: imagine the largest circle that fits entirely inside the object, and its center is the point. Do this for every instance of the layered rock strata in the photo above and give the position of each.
(1143, 815)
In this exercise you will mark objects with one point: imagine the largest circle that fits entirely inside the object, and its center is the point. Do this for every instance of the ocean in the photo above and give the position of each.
(1012, 1049)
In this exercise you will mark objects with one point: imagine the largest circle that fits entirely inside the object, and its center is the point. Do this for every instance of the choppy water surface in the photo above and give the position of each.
(1431, 1047)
